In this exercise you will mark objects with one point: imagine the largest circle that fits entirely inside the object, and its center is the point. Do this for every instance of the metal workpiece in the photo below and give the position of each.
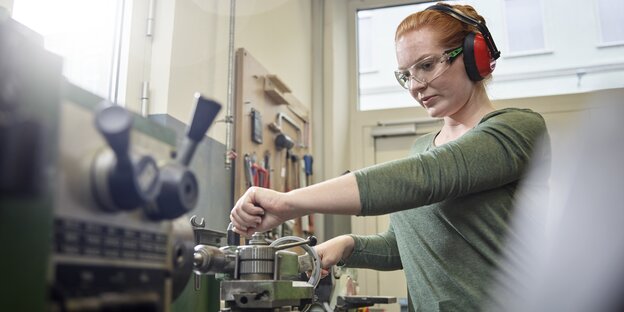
(210, 260)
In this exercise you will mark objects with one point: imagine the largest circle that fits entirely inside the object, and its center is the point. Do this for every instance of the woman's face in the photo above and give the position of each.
(444, 95)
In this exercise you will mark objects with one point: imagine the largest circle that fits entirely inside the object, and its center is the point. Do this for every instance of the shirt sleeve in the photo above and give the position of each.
(377, 252)
(496, 152)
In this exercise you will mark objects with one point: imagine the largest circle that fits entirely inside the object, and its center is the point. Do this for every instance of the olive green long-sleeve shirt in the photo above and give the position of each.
(450, 208)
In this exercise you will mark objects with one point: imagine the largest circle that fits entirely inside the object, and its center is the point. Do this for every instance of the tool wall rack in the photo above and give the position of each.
(272, 134)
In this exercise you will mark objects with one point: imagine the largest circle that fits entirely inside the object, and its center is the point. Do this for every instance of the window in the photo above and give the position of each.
(611, 22)
(365, 42)
(87, 34)
(525, 26)
(377, 87)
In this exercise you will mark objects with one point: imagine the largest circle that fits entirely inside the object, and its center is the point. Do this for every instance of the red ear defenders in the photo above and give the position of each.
(480, 52)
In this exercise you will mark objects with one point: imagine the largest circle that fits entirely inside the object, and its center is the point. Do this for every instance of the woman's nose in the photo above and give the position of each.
(416, 85)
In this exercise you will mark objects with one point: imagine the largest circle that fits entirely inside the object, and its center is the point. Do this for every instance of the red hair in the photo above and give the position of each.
(449, 31)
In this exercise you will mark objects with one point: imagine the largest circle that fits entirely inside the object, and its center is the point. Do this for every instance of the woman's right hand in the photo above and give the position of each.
(260, 210)
(334, 250)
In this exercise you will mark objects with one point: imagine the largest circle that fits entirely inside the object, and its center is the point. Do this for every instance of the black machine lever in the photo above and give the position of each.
(179, 190)
(115, 123)
(122, 180)
(205, 113)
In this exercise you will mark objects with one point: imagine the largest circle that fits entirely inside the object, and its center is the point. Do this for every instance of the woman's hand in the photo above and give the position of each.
(260, 210)
(334, 250)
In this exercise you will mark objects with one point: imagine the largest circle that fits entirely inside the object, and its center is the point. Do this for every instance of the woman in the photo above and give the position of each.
(451, 199)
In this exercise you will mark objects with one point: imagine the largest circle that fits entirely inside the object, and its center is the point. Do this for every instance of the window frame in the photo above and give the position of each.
(532, 52)
(601, 43)
(130, 59)
(353, 7)
(361, 122)
(108, 81)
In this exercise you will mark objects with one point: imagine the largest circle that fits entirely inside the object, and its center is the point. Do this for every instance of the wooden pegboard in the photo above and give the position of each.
(265, 108)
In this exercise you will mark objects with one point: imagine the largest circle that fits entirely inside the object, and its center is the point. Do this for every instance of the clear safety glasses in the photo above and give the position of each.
(428, 69)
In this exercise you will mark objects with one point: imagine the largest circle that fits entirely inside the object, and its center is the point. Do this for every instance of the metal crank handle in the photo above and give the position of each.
(311, 240)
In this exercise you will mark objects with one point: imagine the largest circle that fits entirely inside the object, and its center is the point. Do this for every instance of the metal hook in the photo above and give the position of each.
(201, 224)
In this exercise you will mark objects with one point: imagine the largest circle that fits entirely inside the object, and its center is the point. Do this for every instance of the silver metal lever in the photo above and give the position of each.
(311, 240)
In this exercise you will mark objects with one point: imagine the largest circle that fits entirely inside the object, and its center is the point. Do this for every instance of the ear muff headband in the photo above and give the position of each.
(480, 52)
(470, 21)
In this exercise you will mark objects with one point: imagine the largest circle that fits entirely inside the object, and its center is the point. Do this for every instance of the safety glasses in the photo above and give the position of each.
(427, 69)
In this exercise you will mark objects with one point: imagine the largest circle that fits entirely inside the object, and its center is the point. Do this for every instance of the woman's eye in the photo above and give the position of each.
(426, 65)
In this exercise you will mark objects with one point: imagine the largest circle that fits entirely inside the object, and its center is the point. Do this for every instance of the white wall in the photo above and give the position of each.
(7, 4)
(190, 51)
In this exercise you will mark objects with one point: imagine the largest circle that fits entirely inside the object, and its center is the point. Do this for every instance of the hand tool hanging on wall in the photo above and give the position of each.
(256, 126)
(307, 165)
(294, 165)
(294, 159)
(256, 172)
(260, 175)
(282, 141)
(277, 127)
(283, 177)
(248, 171)
(268, 167)
(286, 172)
